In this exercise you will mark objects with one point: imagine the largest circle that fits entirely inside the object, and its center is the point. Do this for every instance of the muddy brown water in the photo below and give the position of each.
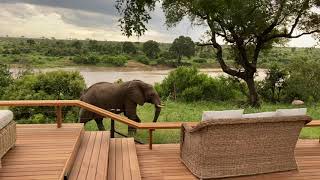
(93, 75)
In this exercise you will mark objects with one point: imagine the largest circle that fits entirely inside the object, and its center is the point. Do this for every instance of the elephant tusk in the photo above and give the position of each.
(160, 105)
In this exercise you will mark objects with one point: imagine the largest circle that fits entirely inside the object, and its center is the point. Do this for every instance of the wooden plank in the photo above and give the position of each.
(95, 157)
(102, 166)
(125, 160)
(119, 162)
(77, 164)
(313, 123)
(112, 160)
(87, 156)
(72, 157)
(134, 164)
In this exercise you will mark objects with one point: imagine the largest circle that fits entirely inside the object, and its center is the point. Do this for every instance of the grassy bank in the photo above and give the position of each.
(180, 111)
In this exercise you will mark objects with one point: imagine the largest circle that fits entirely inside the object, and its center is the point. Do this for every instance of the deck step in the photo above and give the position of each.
(91, 162)
(123, 160)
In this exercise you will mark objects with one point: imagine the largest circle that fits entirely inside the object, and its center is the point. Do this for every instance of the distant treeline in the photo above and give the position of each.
(183, 51)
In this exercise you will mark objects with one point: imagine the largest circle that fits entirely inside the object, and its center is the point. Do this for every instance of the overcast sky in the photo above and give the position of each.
(93, 19)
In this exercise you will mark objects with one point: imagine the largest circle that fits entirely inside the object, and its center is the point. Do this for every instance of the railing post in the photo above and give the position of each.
(112, 129)
(59, 116)
(150, 138)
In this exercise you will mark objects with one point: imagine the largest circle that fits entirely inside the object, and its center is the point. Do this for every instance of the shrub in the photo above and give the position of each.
(188, 84)
(143, 59)
(115, 60)
(304, 80)
(200, 60)
(271, 88)
(50, 86)
(86, 59)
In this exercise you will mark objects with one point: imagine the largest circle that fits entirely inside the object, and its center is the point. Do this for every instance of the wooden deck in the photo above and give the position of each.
(41, 152)
(47, 152)
(163, 163)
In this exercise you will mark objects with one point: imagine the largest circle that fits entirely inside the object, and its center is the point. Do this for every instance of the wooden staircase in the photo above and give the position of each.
(103, 158)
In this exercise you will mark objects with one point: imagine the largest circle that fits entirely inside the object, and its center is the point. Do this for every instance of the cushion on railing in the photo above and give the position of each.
(291, 112)
(227, 114)
(259, 115)
(6, 117)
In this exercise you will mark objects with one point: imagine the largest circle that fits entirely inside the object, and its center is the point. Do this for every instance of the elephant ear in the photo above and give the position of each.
(136, 93)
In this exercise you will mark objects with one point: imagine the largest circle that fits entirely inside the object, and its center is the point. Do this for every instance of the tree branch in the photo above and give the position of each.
(286, 35)
(275, 21)
(205, 44)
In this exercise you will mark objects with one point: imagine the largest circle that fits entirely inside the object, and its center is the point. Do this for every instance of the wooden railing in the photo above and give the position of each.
(58, 104)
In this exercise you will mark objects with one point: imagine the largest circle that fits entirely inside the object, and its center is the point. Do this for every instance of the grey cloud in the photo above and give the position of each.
(97, 6)
(84, 19)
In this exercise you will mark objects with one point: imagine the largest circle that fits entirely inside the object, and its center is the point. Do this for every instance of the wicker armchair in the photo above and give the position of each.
(236, 147)
(7, 132)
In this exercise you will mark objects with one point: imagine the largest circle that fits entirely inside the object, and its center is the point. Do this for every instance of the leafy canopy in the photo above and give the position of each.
(183, 46)
(129, 48)
(151, 49)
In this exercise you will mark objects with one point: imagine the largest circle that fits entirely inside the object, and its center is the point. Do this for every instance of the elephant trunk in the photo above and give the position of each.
(156, 112)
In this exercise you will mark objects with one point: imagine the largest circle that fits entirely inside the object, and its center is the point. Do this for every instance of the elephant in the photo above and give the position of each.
(119, 98)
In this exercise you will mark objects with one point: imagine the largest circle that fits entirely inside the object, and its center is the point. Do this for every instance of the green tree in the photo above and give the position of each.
(249, 26)
(77, 44)
(151, 49)
(31, 42)
(182, 46)
(93, 45)
(129, 48)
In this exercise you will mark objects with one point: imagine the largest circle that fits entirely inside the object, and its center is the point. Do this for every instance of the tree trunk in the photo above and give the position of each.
(253, 95)
(179, 59)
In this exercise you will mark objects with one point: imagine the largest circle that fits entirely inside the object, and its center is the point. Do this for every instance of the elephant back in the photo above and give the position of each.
(102, 94)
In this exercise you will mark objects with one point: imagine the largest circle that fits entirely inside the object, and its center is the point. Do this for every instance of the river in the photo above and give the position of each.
(93, 75)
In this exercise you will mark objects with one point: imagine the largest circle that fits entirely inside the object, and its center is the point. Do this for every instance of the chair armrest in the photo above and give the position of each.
(186, 130)
(186, 127)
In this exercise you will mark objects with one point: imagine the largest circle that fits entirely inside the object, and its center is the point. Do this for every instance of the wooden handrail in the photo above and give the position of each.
(100, 111)
(150, 126)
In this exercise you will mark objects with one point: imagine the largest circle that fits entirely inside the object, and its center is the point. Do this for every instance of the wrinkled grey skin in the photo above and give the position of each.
(119, 98)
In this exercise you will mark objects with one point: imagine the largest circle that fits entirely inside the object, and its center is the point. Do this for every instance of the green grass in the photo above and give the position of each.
(181, 111)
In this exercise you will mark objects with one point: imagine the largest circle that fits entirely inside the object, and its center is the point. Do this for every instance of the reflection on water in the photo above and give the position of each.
(94, 75)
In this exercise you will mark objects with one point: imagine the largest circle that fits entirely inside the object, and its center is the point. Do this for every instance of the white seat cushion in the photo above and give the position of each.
(208, 115)
(291, 112)
(6, 117)
(259, 115)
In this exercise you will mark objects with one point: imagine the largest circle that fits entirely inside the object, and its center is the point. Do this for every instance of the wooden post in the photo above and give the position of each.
(112, 129)
(150, 138)
(59, 116)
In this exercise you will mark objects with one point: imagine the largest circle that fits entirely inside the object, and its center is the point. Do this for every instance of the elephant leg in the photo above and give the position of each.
(131, 113)
(131, 130)
(99, 122)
